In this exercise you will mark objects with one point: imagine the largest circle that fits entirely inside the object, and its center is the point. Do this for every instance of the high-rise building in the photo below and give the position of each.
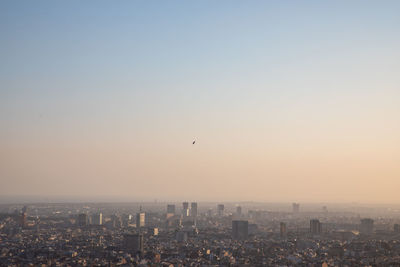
(126, 219)
(173, 222)
(185, 209)
(97, 219)
(171, 209)
(296, 207)
(396, 228)
(193, 209)
(283, 229)
(37, 223)
(116, 221)
(315, 226)
(83, 219)
(367, 226)
(240, 229)
(140, 219)
(23, 219)
(134, 243)
(220, 209)
(239, 211)
(155, 231)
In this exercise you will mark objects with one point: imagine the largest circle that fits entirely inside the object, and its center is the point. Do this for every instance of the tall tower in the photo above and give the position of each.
(240, 229)
(171, 208)
(315, 226)
(140, 219)
(283, 229)
(134, 243)
(193, 209)
(23, 219)
(23, 216)
(185, 209)
(97, 219)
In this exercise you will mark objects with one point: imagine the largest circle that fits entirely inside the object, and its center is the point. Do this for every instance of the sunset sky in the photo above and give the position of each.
(287, 100)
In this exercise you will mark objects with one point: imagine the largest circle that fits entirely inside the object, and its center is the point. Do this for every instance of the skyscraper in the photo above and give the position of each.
(140, 219)
(283, 229)
(315, 226)
(240, 229)
(23, 219)
(185, 209)
(97, 219)
(171, 208)
(134, 243)
(220, 209)
(116, 221)
(193, 209)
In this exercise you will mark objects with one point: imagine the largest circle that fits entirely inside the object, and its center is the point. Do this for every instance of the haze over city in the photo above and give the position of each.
(287, 101)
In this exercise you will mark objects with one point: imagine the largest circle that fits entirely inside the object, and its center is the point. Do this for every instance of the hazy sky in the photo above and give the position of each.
(288, 100)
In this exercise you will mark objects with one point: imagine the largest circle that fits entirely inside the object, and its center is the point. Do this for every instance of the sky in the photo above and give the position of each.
(287, 100)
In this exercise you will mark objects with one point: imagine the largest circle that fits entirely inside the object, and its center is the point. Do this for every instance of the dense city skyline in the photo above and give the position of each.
(205, 234)
(287, 101)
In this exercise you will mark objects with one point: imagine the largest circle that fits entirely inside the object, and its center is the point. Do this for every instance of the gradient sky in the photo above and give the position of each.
(288, 100)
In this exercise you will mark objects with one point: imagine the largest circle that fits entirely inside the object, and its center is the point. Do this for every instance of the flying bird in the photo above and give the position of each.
(194, 142)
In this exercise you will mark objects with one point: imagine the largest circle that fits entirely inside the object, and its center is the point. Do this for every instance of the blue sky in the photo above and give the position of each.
(222, 71)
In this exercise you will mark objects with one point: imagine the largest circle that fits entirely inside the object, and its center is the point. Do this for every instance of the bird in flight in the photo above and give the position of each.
(194, 141)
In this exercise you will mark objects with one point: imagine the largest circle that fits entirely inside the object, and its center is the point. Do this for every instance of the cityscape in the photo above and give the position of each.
(201, 133)
(198, 234)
